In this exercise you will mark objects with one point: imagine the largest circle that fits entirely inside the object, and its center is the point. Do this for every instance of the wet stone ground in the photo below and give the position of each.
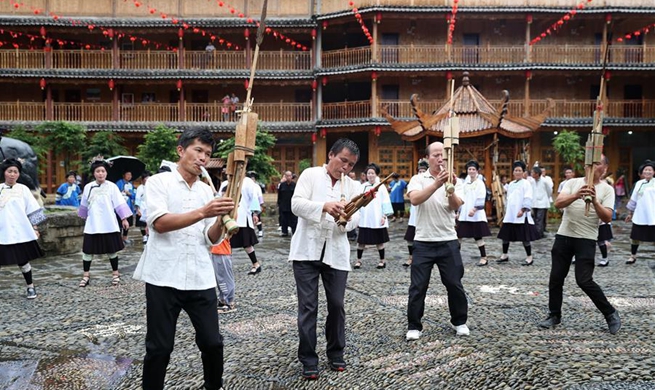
(93, 338)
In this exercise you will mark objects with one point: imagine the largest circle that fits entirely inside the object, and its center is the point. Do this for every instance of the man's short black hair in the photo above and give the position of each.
(536, 170)
(202, 135)
(345, 143)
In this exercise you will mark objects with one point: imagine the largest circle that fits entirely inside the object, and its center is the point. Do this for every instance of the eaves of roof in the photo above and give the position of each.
(351, 122)
(143, 127)
(137, 74)
(122, 22)
(587, 122)
(447, 9)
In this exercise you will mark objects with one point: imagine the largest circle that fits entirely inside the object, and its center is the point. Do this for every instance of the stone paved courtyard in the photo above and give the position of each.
(93, 338)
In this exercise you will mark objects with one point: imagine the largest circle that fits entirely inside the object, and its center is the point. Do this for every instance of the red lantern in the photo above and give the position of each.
(111, 84)
(42, 83)
(325, 24)
(374, 75)
(245, 84)
(607, 75)
(608, 18)
(313, 34)
(528, 74)
(43, 32)
(246, 33)
(180, 33)
(528, 18)
(313, 138)
(179, 85)
(378, 131)
(110, 33)
(323, 133)
(324, 81)
(314, 85)
(378, 17)
(449, 75)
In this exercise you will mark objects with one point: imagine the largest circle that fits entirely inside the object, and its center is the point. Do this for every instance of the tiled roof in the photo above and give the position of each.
(215, 163)
(142, 127)
(123, 22)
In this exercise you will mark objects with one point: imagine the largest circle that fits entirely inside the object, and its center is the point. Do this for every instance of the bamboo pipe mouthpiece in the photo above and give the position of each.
(230, 224)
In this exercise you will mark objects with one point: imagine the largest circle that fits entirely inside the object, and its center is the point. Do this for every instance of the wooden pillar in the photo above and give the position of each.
(180, 54)
(374, 98)
(248, 54)
(49, 106)
(115, 54)
(115, 114)
(613, 153)
(528, 47)
(320, 151)
(373, 149)
(526, 98)
(319, 102)
(47, 49)
(182, 104)
(374, 46)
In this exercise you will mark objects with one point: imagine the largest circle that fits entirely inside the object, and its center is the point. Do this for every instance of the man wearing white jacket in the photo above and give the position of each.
(541, 192)
(320, 248)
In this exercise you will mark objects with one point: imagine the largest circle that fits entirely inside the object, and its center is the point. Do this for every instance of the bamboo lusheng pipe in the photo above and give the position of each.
(360, 201)
(450, 140)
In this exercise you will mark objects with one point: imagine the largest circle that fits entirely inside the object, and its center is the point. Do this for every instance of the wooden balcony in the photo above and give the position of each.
(148, 59)
(268, 112)
(329, 6)
(347, 110)
(81, 59)
(439, 54)
(22, 111)
(82, 112)
(22, 59)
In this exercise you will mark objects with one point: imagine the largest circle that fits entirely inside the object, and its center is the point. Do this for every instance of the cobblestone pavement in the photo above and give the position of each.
(93, 338)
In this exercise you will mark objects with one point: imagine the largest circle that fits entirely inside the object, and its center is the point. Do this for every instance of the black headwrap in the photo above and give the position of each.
(10, 162)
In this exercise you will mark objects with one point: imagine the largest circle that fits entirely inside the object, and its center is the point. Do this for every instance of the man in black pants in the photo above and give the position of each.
(284, 195)
(577, 237)
(320, 249)
(177, 267)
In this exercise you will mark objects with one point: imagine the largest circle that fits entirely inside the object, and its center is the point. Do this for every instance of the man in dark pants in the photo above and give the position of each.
(319, 248)
(577, 237)
(284, 195)
(435, 242)
(177, 266)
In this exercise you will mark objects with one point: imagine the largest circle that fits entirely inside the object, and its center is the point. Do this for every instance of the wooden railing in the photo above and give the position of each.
(149, 112)
(82, 112)
(268, 112)
(215, 60)
(22, 59)
(487, 54)
(22, 111)
(403, 109)
(347, 110)
(148, 59)
(346, 57)
(329, 6)
(81, 59)
(284, 60)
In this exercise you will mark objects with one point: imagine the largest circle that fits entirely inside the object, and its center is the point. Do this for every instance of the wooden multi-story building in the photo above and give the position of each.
(113, 65)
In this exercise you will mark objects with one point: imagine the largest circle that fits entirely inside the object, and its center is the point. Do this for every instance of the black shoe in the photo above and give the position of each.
(255, 270)
(310, 372)
(337, 364)
(526, 263)
(613, 322)
(501, 260)
(550, 322)
(483, 263)
(381, 265)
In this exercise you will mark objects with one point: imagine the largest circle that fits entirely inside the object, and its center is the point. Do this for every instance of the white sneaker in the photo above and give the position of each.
(413, 335)
(260, 234)
(604, 262)
(462, 330)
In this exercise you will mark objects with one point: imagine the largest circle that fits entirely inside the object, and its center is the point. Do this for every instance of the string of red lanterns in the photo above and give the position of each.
(642, 31)
(358, 16)
(558, 24)
(451, 20)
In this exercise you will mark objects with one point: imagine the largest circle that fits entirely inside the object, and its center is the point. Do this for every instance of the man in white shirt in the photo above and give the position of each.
(436, 242)
(320, 248)
(569, 173)
(577, 236)
(541, 192)
(176, 264)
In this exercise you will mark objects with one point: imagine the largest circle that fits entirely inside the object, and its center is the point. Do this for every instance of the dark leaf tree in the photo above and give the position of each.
(65, 139)
(159, 144)
(567, 145)
(261, 162)
(104, 143)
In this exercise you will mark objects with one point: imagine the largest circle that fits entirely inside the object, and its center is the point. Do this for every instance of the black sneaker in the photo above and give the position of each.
(550, 322)
(337, 364)
(613, 322)
(310, 372)
(31, 293)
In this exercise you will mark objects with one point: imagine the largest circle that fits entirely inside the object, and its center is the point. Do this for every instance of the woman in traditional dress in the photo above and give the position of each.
(20, 216)
(472, 216)
(642, 210)
(373, 222)
(518, 224)
(68, 194)
(101, 201)
(411, 224)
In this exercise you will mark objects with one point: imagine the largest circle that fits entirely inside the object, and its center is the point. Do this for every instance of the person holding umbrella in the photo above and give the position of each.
(126, 188)
(100, 200)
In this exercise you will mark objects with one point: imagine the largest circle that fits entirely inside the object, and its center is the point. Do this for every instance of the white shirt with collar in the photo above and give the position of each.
(541, 192)
(435, 221)
(18, 210)
(316, 228)
(179, 259)
(475, 194)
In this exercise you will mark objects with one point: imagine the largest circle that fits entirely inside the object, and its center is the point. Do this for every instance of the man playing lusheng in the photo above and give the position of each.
(176, 264)
(577, 237)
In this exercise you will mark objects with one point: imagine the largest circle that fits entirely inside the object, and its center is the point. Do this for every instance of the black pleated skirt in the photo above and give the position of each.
(643, 233)
(19, 254)
(410, 233)
(244, 238)
(100, 244)
(605, 233)
(467, 229)
(513, 232)
(368, 236)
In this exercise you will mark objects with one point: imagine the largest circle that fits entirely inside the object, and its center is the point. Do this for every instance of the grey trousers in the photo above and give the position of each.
(224, 277)
(306, 274)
